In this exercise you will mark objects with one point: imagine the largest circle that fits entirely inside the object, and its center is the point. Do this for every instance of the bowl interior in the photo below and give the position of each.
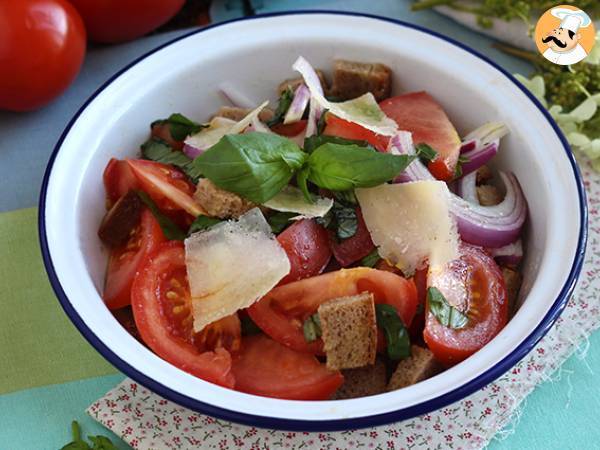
(255, 56)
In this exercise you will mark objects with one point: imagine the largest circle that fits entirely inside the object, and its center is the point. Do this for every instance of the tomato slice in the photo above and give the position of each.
(290, 129)
(472, 283)
(125, 261)
(344, 129)
(307, 246)
(350, 250)
(282, 312)
(424, 117)
(265, 367)
(118, 180)
(162, 310)
(167, 186)
(163, 131)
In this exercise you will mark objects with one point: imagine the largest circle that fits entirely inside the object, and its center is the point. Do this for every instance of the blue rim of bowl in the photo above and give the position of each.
(339, 424)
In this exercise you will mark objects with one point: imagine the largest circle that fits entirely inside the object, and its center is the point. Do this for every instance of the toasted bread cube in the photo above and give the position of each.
(349, 331)
(362, 382)
(484, 175)
(419, 366)
(220, 203)
(512, 281)
(488, 195)
(237, 114)
(352, 79)
(293, 83)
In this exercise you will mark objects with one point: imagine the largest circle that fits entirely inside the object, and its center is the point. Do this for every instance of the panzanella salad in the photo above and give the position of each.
(344, 244)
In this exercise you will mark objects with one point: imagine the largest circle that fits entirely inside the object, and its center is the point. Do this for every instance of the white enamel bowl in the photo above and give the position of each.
(254, 55)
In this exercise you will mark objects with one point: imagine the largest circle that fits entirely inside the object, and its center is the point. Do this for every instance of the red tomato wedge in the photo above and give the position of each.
(472, 283)
(290, 129)
(163, 131)
(348, 130)
(161, 307)
(307, 246)
(125, 261)
(118, 180)
(282, 312)
(167, 186)
(350, 250)
(423, 116)
(265, 367)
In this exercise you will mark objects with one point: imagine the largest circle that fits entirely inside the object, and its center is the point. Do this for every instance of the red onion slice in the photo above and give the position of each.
(402, 144)
(467, 188)
(192, 152)
(484, 135)
(235, 96)
(299, 104)
(479, 156)
(509, 255)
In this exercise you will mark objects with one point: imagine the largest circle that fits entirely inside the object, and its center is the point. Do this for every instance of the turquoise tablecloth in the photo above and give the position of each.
(558, 415)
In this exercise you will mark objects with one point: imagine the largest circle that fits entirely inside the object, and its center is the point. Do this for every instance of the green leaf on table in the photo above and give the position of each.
(102, 443)
(285, 100)
(156, 149)
(444, 312)
(99, 442)
(180, 126)
(396, 334)
(254, 165)
(168, 227)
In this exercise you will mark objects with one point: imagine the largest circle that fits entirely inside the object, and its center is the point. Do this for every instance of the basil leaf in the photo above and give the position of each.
(155, 149)
(322, 122)
(203, 223)
(312, 328)
(279, 221)
(346, 197)
(180, 126)
(343, 167)
(171, 231)
(425, 152)
(444, 312)
(371, 259)
(315, 141)
(285, 100)
(396, 334)
(254, 165)
(248, 326)
(345, 220)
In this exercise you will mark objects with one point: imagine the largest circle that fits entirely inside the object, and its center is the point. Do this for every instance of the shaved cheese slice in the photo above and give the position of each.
(411, 223)
(362, 110)
(291, 199)
(219, 127)
(231, 265)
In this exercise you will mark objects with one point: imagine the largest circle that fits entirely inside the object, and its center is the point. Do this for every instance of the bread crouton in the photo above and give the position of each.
(362, 382)
(512, 281)
(418, 367)
(293, 83)
(220, 203)
(484, 175)
(349, 331)
(237, 114)
(488, 195)
(352, 79)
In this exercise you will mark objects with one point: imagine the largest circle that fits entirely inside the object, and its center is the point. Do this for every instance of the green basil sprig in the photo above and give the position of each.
(201, 223)
(312, 328)
(425, 152)
(396, 334)
(342, 219)
(254, 165)
(156, 149)
(285, 100)
(280, 220)
(249, 327)
(371, 259)
(179, 126)
(315, 141)
(444, 312)
(168, 227)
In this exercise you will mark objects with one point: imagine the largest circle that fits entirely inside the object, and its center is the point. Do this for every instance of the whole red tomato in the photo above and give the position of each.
(111, 21)
(42, 45)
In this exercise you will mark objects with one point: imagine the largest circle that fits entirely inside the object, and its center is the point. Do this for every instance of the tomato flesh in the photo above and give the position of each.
(125, 261)
(348, 130)
(42, 46)
(163, 131)
(282, 312)
(265, 367)
(354, 248)
(472, 283)
(118, 180)
(161, 308)
(307, 246)
(167, 186)
(290, 129)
